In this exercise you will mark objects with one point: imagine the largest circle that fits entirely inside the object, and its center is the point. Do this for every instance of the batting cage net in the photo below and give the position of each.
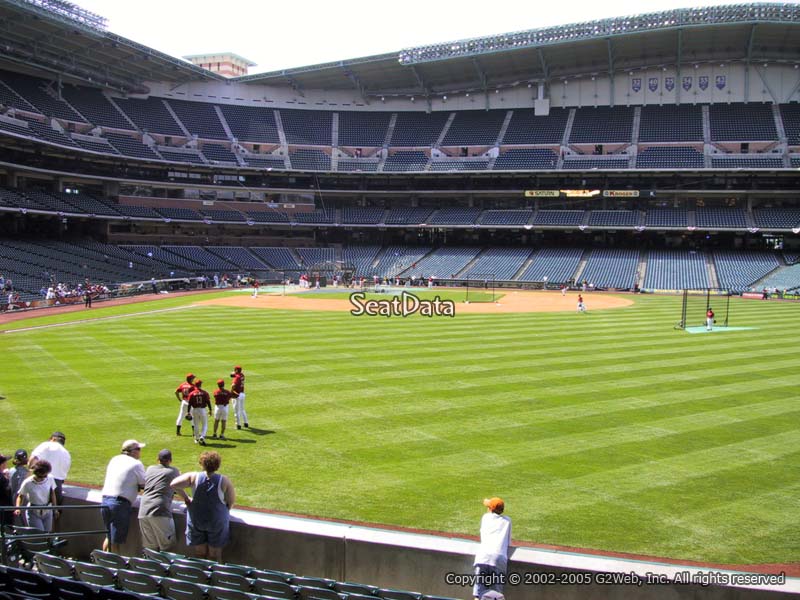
(327, 272)
(480, 288)
(696, 304)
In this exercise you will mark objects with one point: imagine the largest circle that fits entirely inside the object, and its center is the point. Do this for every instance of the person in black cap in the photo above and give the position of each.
(155, 505)
(18, 474)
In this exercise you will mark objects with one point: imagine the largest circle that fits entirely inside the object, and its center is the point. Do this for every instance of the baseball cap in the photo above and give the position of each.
(189, 376)
(164, 455)
(3, 458)
(59, 436)
(21, 454)
(237, 368)
(131, 445)
(198, 382)
(220, 382)
(496, 505)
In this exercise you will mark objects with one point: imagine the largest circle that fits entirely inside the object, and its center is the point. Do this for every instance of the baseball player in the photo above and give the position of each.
(222, 398)
(237, 387)
(255, 288)
(182, 394)
(200, 402)
(709, 319)
(581, 305)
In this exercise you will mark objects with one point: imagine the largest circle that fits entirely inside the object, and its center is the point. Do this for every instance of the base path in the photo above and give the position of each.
(513, 301)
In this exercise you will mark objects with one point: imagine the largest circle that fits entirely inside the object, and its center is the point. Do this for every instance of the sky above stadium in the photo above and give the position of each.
(284, 34)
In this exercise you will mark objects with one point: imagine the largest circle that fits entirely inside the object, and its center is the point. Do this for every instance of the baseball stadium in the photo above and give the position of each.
(558, 266)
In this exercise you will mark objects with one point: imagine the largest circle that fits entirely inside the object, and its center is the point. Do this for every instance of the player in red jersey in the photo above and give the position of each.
(237, 387)
(182, 394)
(222, 398)
(200, 402)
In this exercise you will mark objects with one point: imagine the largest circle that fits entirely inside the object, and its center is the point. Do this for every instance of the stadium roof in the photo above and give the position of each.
(743, 32)
(57, 37)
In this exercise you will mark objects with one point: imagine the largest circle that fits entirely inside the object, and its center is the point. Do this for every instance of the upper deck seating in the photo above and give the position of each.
(526, 128)
(311, 127)
(150, 115)
(681, 123)
(603, 124)
(46, 132)
(475, 128)
(363, 129)
(740, 122)
(251, 123)
(790, 113)
(222, 215)
(418, 129)
(34, 90)
(97, 109)
(356, 165)
(10, 98)
(199, 118)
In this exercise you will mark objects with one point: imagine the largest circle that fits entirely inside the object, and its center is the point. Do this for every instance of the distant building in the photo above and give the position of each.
(226, 64)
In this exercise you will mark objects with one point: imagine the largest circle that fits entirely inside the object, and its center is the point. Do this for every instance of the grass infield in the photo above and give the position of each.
(608, 430)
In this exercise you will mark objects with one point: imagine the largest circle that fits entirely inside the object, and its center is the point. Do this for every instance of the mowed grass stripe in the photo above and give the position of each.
(594, 427)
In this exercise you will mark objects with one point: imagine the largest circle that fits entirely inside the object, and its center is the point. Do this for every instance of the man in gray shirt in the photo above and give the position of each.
(155, 504)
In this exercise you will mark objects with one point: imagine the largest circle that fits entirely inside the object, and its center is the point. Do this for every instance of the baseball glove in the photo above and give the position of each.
(188, 417)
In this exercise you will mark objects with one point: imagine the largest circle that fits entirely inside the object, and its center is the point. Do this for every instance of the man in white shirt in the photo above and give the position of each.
(124, 479)
(54, 452)
(491, 560)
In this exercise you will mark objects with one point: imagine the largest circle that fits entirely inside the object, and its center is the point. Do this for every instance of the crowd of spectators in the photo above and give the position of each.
(33, 486)
(61, 293)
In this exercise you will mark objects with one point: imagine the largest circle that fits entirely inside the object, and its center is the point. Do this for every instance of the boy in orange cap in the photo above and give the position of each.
(491, 560)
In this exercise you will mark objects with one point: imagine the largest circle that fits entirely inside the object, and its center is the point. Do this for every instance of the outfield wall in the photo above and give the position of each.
(411, 561)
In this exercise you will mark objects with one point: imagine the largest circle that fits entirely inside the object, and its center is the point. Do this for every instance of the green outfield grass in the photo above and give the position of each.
(607, 430)
(456, 295)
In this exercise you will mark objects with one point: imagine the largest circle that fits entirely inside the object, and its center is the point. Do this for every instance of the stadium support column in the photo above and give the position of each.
(610, 72)
(679, 59)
